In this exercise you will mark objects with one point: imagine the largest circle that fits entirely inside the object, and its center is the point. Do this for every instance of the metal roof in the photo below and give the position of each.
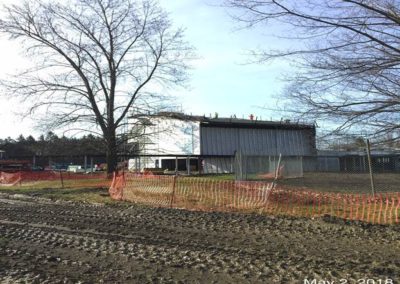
(233, 122)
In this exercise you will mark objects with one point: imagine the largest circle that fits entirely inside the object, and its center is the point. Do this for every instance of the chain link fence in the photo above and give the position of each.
(354, 172)
(207, 194)
(258, 167)
(330, 171)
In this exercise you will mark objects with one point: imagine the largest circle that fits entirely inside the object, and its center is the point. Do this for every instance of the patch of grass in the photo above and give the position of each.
(66, 183)
(93, 190)
(91, 195)
(345, 182)
(332, 182)
(218, 176)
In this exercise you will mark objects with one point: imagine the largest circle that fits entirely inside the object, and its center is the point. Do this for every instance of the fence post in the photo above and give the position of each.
(173, 191)
(188, 165)
(91, 165)
(370, 168)
(62, 180)
(85, 163)
(277, 171)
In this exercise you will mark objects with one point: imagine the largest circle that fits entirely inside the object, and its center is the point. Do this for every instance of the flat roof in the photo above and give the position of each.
(248, 123)
(233, 122)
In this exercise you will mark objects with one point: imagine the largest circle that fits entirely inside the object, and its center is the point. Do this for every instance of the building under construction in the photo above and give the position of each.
(172, 141)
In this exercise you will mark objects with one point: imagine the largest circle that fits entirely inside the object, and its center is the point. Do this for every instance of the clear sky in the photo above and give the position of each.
(220, 80)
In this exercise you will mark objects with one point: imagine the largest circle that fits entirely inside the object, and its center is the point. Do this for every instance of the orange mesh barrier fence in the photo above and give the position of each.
(383, 208)
(52, 179)
(9, 179)
(147, 189)
(117, 186)
(214, 195)
(190, 193)
(203, 194)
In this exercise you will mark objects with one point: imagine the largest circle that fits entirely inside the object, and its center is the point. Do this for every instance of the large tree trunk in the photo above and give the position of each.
(111, 153)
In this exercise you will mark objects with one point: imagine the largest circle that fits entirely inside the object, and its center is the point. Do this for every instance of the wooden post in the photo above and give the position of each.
(370, 168)
(173, 191)
(62, 180)
(278, 166)
(276, 172)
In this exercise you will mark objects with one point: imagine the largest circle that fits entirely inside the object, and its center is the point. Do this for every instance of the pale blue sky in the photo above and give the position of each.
(220, 80)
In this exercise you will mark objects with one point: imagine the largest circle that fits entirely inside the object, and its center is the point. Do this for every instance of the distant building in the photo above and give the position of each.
(14, 165)
(384, 160)
(2, 154)
(177, 141)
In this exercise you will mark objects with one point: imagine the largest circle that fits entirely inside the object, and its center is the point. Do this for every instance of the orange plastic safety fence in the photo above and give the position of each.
(214, 195)
(9, 179)
(117, 186)
(191, 193)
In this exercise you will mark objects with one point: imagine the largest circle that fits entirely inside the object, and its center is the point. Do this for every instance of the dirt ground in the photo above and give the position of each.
(43, 241)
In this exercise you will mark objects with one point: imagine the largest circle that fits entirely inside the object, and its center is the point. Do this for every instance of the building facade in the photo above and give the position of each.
(177, 141)
(357, 161)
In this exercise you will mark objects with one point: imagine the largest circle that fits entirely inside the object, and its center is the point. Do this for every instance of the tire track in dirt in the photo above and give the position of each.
(70, 242)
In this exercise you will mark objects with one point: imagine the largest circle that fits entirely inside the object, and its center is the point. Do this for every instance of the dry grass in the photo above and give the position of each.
(337, 182)
(345, 182)
(90, 190)
(202, 195)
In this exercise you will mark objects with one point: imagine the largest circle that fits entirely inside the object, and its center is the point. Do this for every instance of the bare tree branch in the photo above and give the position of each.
(347, 54)
(97, 60)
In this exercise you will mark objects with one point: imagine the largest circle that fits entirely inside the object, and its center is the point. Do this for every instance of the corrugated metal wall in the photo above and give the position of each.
(328, 164)
(225, 141)
(218, 165)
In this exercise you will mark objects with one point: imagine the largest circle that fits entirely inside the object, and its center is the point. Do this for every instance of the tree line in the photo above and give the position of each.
(52, 145)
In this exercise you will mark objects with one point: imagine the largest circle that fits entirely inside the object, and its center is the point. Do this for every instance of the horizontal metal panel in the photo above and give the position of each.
(226, 141)
(218, 165)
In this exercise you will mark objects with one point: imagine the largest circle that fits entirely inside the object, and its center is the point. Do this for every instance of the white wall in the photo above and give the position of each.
(169, 136)
(172, 136)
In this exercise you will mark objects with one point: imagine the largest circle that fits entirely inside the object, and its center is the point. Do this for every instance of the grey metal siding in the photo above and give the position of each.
(328, 164)
(225, 141)
(218, 165)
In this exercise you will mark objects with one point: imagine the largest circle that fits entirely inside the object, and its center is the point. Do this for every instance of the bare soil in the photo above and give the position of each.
(44, 241)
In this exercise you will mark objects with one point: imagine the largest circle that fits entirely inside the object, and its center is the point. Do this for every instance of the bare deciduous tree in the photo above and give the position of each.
(96, 61)
(347, 54)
